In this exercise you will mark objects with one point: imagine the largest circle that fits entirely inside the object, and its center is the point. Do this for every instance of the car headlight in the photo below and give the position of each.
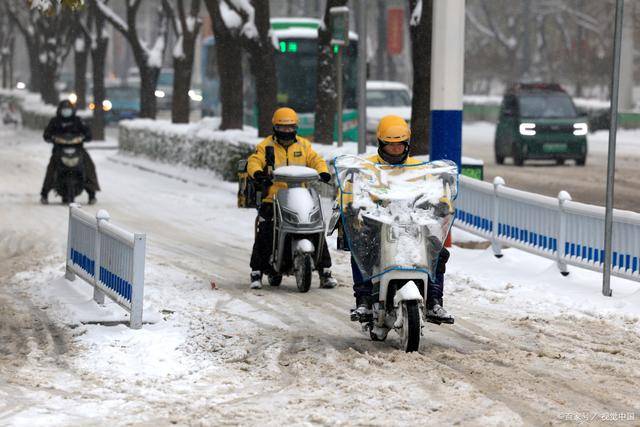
(73, 98)
(159, 93)
(580, 129)
(195, 96)
(527, 129)
(107, 105)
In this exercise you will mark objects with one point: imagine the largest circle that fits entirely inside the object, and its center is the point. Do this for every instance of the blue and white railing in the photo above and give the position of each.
(109, 258)
(569, 232)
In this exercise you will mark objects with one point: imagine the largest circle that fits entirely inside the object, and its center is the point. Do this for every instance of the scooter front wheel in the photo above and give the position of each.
(303, 269)
(410, 331)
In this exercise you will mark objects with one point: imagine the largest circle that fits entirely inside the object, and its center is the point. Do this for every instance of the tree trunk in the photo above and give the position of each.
(421, 58)
(48, 91)
(229, 54)
(263, 68)
(326, 80)
(80, 57)
(381, 55)
(148, 84)
(35, 78)
(98, 58)
(180, 104)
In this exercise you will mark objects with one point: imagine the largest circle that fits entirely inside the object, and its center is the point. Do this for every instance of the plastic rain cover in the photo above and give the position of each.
(396, 217)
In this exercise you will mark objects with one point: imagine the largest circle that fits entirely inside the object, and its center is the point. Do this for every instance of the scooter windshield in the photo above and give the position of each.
(396, 217)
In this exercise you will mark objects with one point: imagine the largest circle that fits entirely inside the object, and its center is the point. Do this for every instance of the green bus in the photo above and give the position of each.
(296, 69)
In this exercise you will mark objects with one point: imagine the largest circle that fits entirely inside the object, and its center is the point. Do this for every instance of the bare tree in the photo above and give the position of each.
(148, 60)
(186, 27)
(326, 93)
(48, 38)
(80, 59)
(7, 42)
(420, 30)
(263, 66)
(226, 29)
(99, 43)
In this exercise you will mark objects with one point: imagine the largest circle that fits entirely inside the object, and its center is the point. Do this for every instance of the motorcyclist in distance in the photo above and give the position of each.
(64, 123)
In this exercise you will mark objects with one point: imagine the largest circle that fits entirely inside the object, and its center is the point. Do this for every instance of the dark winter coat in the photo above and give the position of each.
(60, 125)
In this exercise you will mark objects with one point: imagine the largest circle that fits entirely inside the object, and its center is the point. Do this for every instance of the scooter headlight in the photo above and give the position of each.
(70, 162)
(315, 216)
(289, 216)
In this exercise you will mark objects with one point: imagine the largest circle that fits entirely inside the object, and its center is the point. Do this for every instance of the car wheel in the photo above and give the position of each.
(518, 158)
(581, 161)
(559, 162)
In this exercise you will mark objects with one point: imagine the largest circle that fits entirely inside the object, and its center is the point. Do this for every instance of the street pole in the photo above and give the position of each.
(362, 77)
(447, 69)
(339, 89)
(339, 38)
(611, 162)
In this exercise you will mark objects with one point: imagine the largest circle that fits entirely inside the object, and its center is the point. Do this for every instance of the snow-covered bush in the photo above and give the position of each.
(35, 113)
(198, 145)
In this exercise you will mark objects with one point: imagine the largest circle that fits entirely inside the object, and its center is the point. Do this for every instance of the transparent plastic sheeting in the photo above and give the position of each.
(396, 217)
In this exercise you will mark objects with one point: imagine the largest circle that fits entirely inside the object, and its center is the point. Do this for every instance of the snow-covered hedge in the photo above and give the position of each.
(35, 113)
(198, 145)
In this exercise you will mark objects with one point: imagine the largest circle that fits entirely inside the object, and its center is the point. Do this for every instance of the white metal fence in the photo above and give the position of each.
(572, 233)
(109, 258)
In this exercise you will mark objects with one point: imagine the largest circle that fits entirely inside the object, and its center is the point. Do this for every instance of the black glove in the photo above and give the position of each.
(262, 178)
(325, 177)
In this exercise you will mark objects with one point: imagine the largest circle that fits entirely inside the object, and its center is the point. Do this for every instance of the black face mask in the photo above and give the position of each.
(393, 160)
(285, 137)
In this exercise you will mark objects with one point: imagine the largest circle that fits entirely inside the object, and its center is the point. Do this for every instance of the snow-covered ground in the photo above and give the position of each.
(529, 346)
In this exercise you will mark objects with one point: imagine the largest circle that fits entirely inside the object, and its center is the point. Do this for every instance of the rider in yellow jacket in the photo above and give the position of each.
(393, 135)
(288, 149)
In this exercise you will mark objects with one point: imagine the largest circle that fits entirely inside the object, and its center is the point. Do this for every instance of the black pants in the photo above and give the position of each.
(263, 244)
(435, 289)
(90, 177)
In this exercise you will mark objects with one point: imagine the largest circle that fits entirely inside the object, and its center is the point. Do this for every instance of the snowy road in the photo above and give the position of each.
(522, 352)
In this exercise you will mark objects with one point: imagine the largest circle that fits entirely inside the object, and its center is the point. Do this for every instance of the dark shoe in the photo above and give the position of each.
(256, 279)
(326, 281)
(92, 199)
(44, 200)
(363, 312)
(437, 314)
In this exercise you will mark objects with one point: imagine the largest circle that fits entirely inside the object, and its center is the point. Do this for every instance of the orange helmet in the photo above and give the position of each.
(285, 116)
(393, 129)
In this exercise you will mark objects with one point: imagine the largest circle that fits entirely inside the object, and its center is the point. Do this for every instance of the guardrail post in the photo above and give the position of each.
(98, 295)
(563, 197)
(137, 292)
(495, 244)
(69, 274)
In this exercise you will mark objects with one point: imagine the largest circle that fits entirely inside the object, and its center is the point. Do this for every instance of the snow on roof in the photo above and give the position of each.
(296, 33)
(386, 85)
(303, 31)
(285, 20)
